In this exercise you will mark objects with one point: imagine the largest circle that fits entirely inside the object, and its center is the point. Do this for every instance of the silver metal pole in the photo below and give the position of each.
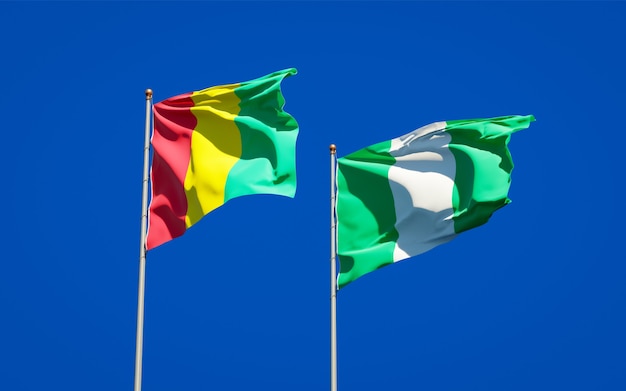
(142, 246)
(333, 273)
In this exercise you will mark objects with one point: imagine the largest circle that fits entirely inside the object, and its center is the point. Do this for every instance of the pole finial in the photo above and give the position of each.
(148, 94)
(333, 149)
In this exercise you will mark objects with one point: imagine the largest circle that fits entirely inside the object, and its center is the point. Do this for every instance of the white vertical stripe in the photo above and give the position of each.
(422, 181)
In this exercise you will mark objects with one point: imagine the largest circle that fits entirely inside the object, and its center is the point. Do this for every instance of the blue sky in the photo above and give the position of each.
(532, 300)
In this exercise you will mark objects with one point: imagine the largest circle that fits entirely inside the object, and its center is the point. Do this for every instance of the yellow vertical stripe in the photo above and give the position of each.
(215, 148)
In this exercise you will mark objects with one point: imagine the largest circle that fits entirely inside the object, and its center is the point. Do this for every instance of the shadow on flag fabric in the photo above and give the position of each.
(216, 144)
(402, 197)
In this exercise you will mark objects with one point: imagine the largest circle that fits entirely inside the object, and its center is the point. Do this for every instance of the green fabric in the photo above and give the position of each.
(268, 140)
(484, 166)
(365, 212)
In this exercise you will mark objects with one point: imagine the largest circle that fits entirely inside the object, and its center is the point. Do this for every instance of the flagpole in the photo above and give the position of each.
(333, 273)
(142, 247)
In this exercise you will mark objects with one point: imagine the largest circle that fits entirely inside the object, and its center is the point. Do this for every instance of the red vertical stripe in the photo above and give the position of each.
(171, 142)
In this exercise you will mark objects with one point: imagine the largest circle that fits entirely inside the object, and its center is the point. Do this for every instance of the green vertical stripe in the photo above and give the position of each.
(268, 140)
(365, 201)
(483, 167)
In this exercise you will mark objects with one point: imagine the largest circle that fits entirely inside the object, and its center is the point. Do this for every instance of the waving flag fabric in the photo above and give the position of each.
(216, 144)
(403, 197)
